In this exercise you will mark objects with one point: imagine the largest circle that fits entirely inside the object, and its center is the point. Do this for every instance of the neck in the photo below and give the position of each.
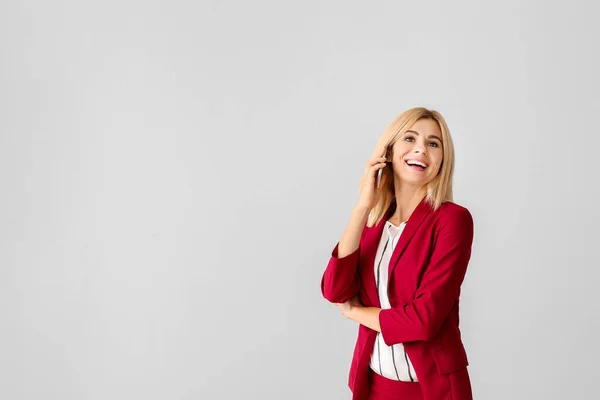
(407, 199)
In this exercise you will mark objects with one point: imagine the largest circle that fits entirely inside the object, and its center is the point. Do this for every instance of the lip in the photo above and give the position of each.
(416, 168)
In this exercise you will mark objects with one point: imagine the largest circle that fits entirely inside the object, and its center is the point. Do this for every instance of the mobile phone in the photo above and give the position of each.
(380, 172)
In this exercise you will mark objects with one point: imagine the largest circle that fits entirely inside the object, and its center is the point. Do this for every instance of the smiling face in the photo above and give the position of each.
(417, 155)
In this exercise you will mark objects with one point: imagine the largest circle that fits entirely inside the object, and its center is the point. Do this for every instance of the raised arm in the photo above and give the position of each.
(340, 280)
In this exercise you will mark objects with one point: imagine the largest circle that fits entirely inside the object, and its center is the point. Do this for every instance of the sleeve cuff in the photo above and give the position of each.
(354, 254)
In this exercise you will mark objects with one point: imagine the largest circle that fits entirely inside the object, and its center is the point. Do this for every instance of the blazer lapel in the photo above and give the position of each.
(412, 225)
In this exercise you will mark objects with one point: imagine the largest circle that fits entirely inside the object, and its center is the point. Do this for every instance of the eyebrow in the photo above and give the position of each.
(417, 133)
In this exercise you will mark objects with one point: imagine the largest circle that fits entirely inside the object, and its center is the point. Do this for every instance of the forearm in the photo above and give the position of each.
(351, 237)
(340, 280)
(367, 316)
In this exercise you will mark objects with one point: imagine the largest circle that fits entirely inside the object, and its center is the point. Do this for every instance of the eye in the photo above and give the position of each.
(408, 139)
(434, 144)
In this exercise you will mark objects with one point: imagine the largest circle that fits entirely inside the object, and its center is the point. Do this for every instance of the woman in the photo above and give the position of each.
(399, 266)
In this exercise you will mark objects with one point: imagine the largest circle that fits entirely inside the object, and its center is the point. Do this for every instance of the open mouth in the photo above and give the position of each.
(416, 165)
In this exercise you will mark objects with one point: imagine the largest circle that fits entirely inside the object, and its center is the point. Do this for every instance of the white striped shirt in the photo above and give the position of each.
(391, 362)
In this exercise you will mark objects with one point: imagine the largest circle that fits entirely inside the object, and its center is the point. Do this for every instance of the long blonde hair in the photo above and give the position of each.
(439, 189)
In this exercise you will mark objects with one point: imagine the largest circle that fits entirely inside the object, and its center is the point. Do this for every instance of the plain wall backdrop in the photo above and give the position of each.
(175, 175)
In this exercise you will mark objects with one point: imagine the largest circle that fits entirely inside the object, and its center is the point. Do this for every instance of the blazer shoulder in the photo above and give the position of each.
(450, 211)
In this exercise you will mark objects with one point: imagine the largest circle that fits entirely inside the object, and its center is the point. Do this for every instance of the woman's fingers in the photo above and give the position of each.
(368, 192)
(374, 160)
(373, 170)
(377, 158)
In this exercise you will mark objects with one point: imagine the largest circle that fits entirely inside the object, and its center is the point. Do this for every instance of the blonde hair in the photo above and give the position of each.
(439, 189)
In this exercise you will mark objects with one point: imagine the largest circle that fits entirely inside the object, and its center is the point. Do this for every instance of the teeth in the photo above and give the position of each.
(411, 162)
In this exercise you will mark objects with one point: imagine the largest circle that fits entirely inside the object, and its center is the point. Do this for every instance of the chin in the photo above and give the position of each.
(410, 180)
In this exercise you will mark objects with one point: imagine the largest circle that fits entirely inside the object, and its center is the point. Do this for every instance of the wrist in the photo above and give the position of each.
(352, 314)
(361, 211)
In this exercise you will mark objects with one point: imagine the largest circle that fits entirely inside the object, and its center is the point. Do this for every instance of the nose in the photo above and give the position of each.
(419, 149)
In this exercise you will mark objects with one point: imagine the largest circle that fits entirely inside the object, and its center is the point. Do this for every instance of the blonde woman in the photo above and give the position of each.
(400, 264)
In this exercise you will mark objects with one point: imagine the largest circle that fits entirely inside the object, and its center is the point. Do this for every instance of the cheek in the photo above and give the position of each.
(400, 148)
(437, 166)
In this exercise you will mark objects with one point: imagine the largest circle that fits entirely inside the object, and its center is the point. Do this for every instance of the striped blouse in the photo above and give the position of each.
(391, 362)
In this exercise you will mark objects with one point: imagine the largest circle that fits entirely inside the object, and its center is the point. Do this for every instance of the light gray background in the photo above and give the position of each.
(175, 175)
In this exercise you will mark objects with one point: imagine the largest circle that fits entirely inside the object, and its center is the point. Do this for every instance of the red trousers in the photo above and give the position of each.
(386, 389)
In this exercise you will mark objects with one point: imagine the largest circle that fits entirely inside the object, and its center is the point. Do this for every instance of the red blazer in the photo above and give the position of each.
(425, 273)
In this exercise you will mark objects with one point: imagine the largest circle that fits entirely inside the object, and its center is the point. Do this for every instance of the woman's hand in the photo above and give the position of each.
(347, 307)
(369, 194)
(367, 316)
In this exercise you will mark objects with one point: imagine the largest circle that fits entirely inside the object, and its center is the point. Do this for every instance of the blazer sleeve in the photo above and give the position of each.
(340, 281)
(422, 318)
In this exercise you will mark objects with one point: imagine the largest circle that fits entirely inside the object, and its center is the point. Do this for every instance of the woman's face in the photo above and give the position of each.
(421, 144)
